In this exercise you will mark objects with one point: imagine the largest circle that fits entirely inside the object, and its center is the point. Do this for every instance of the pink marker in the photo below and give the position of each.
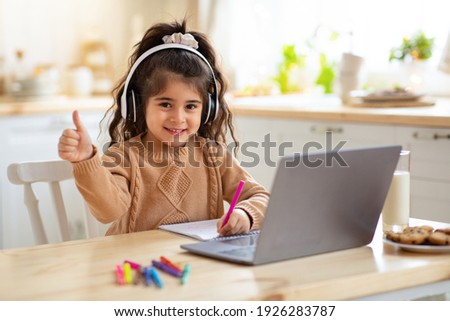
(233, 203)
(120, 275)
(133, 265)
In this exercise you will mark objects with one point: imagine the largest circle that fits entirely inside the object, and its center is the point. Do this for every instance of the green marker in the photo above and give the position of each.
(186, 271)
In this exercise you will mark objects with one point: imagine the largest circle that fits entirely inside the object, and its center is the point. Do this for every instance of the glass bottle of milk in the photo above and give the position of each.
(395, 212)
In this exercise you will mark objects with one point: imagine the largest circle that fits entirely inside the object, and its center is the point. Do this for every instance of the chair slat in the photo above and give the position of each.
(51, 172)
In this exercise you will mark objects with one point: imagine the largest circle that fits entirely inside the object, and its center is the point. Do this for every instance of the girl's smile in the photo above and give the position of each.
(174, 131)
(174, 114)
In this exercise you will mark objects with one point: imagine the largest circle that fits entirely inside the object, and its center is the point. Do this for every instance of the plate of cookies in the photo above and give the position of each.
(424, 239)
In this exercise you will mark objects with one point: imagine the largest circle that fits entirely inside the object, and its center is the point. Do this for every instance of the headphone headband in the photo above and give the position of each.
(123, 97)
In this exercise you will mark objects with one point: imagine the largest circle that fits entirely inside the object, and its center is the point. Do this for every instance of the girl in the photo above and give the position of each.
(167, 162)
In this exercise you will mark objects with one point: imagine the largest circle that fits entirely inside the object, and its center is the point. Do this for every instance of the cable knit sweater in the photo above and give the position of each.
(138, 186)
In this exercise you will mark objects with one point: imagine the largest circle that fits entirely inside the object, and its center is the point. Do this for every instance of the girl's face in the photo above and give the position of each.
(174, 114)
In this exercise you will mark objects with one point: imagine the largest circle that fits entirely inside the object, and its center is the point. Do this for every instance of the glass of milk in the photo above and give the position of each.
(395, 212)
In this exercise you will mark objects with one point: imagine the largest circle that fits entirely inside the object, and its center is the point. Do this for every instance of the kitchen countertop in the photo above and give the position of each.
(330, 108)
(55, 104)
(304, 107)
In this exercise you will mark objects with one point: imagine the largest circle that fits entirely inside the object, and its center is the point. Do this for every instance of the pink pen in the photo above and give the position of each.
(233, 203)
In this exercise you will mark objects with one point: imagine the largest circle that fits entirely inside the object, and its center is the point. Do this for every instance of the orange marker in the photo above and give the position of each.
(168, 263)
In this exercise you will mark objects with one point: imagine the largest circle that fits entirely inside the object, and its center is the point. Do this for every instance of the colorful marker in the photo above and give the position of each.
(127, 273)
(147, 276)
(165, 268)
(134, 266)
(119, 274)
(169, 263)
(139, 276)
(186, 271)
(155, 277)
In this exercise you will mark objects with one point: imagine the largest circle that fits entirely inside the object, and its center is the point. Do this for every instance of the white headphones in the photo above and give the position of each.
(213, 100)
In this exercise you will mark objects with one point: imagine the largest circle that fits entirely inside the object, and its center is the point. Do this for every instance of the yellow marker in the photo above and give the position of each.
(127, 273)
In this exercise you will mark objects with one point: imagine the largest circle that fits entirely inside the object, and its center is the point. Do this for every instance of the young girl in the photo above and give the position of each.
(167, 162)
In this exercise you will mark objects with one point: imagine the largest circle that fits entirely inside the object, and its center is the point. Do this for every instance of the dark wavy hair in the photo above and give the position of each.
(155, 72)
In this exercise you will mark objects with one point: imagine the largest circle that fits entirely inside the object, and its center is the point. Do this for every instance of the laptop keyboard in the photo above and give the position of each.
(237, 236)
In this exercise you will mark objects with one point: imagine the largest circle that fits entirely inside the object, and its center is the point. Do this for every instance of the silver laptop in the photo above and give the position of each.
(320, 202)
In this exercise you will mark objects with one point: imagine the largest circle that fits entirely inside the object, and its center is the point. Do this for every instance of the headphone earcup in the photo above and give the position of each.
(131, 106)
(211, 112)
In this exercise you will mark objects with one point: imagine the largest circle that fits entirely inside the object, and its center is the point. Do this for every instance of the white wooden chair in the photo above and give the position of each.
(51, 172)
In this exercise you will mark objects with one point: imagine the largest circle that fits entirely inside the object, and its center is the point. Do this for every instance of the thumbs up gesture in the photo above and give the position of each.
(75, 145)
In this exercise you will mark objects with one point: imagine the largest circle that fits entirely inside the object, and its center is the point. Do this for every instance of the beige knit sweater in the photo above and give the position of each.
(139, 185)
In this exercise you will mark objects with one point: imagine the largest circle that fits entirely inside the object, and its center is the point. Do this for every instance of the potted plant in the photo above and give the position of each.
(288, 69)
(413, 54)
(293, 76)
(416, 47)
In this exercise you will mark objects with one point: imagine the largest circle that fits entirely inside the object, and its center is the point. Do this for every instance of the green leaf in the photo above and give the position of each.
(326, 75)
(290, 61)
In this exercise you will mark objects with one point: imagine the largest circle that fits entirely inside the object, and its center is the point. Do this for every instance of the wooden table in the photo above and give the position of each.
(84, 270)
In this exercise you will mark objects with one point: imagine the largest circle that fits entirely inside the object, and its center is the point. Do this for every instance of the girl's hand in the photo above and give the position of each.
(75, 145)
(238, 223)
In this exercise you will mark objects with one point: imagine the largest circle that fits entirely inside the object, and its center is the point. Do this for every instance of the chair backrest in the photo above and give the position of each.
(51, 172)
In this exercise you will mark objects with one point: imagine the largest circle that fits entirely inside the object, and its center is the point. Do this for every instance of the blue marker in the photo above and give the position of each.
(155, 277)
(147, 275)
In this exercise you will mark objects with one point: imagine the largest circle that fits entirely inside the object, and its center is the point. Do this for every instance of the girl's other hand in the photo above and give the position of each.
(238, 223)
(75, 145)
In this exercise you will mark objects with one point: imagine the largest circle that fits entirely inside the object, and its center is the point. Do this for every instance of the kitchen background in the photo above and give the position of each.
(55, 37)
(71, 53)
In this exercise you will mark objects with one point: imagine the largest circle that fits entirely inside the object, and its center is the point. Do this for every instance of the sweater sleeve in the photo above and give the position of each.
(105, 185)
(254, 197)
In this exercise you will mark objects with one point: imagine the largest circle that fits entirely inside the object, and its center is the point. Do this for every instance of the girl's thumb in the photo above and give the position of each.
(77, 121)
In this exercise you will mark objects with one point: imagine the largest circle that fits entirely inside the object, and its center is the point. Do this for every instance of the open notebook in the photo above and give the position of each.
(200, 230)
(317, 205)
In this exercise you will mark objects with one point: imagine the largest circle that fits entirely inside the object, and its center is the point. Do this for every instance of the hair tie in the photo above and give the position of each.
(184, 39)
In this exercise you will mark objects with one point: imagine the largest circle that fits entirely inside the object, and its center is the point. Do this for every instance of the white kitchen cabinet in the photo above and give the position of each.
(31, 138)
(430, 152)
(292, 136)
(258, 160)
(430, 170)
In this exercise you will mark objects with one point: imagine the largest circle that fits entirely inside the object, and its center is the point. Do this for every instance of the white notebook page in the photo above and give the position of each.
(200, 230)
